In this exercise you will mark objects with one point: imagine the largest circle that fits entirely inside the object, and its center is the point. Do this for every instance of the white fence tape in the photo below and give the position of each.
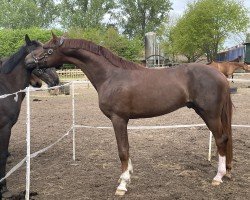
(154, 127)
(29, 156)
(33, 155)
(238, 80)
(242, 74)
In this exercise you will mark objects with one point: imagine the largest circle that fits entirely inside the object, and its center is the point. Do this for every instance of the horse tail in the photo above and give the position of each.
(226, 119)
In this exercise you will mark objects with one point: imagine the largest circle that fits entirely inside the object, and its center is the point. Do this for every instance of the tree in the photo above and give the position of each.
(48, 12)
(141, 16)
(183, 39)
(84, 13)
(25, 14)
(205, 26)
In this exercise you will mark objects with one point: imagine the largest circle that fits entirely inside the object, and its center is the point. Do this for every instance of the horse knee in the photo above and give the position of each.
(221, 144)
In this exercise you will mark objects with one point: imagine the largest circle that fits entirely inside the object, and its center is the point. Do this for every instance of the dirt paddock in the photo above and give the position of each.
(168, 163)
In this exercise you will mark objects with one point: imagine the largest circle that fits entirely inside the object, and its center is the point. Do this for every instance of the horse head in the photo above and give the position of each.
(17, 58)
(246, 67)
(46, 56)
(49, 76)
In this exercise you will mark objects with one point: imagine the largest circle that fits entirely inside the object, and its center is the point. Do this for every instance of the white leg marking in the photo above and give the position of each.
(221, 169)
(125, 179)
(130, 166)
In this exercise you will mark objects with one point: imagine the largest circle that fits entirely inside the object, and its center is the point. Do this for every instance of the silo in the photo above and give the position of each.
(150, 48)
(247, 49)
(248, 38)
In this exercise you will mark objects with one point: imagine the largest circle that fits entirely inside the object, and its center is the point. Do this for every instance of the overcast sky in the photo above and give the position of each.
(180, 5)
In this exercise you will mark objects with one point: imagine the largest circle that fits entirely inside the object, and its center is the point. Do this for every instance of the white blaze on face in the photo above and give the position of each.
(221, 169)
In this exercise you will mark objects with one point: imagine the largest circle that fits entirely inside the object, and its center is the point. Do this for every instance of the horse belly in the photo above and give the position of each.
(156, 105)
(144, 95)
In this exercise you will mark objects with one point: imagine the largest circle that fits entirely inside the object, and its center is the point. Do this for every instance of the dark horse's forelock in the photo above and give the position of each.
(102, 51)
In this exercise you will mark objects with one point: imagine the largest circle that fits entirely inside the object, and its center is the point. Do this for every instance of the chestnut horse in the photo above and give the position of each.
(127, 90)
(14, 77)
(228, 68)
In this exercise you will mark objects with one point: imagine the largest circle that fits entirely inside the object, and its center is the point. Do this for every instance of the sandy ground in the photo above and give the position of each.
(168, 163)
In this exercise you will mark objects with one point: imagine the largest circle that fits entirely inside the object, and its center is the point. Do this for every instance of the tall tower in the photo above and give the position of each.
(150, 48)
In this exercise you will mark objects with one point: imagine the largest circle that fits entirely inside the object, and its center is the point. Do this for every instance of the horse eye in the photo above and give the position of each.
(50, 51)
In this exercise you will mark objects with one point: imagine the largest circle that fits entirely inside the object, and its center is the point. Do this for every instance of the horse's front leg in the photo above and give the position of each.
(4, 144)
(120, 128)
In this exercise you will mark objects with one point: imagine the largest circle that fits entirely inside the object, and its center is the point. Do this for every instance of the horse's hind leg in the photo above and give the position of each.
(221, 139)
(120, 128)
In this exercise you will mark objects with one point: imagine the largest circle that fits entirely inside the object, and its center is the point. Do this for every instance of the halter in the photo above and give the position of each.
(42, 60)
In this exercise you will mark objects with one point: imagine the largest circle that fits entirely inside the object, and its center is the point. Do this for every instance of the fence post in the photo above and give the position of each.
(73, 119)
(28, 144)
(210, 146)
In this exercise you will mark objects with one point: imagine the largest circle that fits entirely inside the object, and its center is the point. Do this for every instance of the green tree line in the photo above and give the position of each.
(131, 49)
(121, 24)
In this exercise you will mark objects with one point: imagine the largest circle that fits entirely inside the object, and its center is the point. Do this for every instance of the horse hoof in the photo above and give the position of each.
(7, 195)
(215, 183)
(120, 192)
(228, 175)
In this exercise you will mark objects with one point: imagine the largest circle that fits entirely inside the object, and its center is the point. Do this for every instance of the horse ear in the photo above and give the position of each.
(27, 39)
(54, 37)
(61, 41)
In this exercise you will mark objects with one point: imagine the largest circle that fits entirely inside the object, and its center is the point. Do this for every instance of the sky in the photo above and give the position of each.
(179, 7)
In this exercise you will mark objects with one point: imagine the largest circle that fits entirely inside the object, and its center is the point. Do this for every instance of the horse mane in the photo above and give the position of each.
(101, 51)
(10, 63)
(237, 63)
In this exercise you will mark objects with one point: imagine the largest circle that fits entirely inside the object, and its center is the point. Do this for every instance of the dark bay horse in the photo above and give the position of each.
(50, 77)
(228, 68)
(14, 76)
(128, 91)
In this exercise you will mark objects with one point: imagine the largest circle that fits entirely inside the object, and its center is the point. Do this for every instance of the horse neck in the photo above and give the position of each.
(18, 78)
(95, 67)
